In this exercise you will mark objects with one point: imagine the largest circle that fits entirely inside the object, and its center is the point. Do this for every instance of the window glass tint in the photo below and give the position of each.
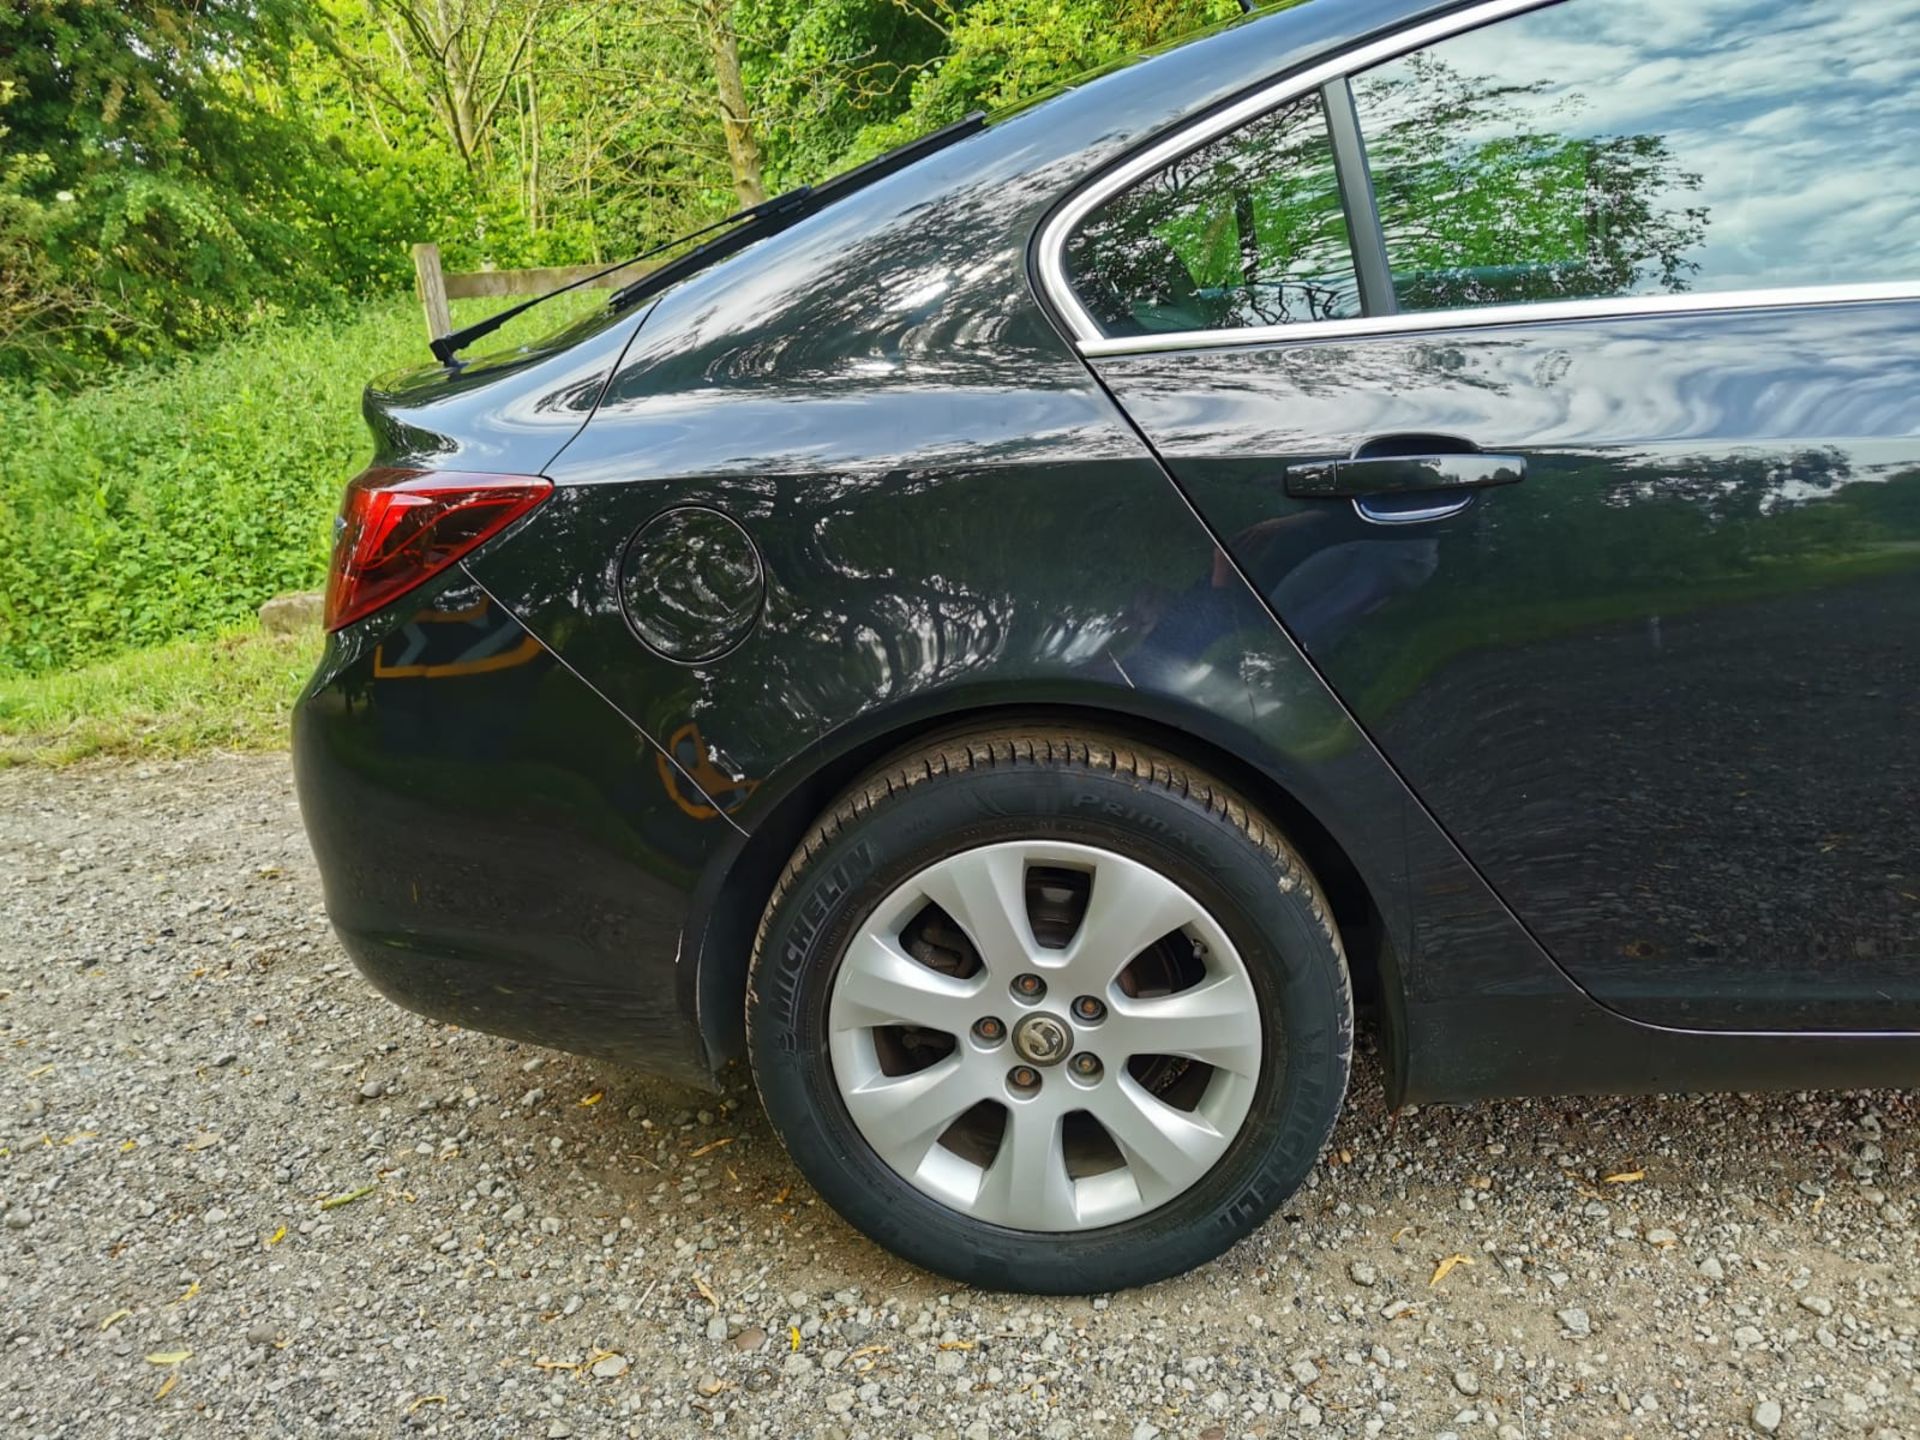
(1246, 230)
(1639, 147)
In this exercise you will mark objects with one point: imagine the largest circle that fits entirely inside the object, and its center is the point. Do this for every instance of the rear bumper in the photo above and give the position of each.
(497, 845)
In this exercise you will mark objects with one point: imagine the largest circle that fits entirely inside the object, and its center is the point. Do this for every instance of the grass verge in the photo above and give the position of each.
(172, 500)
(229, 692)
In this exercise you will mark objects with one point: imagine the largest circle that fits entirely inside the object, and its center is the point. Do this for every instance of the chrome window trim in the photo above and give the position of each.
(1050, 256)
(1538, 312)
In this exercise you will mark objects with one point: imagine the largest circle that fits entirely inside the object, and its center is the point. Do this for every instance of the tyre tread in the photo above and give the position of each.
(1043, 747)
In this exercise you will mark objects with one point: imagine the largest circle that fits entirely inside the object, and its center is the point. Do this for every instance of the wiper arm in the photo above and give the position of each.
(742, 228)
(784, 210)
(748, 224)
(446, 347)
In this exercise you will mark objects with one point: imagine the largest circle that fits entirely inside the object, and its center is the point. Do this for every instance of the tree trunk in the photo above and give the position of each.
(463, 118)
(534, 216)
(743, 146)
(446, 31)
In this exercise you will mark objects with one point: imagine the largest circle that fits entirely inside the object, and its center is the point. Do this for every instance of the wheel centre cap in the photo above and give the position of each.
(1043, 1039)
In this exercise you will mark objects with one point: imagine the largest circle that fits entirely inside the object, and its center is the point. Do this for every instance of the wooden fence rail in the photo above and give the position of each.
(435, 287)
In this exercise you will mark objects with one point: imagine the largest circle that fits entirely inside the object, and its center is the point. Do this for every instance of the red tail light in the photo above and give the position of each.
(397, 527)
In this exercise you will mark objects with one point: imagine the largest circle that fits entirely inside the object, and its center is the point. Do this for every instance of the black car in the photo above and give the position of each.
(1395, 502)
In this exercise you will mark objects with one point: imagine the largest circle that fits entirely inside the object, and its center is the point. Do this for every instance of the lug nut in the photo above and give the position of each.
(1089, 1009)
(989, 1029)
(1029, 987)
(1023, 1077)
(1086, 1064)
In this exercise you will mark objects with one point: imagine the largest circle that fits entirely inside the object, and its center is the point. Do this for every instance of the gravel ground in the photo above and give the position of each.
(244, 1195)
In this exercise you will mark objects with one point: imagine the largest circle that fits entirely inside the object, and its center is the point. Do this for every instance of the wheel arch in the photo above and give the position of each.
(741, 881)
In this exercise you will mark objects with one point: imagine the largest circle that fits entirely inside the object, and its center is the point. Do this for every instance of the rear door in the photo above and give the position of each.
(1554, 371)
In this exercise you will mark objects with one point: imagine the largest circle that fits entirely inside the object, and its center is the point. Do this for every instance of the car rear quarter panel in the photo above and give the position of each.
(498, 847)
(953, 518)
(506, 413)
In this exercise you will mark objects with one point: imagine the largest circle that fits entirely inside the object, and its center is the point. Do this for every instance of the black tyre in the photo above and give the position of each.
(1049, 1011)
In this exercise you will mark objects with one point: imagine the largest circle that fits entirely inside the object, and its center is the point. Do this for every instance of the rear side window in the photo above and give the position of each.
(1605, 148)
(1246, 230)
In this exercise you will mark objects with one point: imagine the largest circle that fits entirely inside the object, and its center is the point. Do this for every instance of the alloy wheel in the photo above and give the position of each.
(1045, 1036)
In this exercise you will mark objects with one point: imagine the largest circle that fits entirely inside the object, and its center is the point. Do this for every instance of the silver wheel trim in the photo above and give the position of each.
(1026, 1186)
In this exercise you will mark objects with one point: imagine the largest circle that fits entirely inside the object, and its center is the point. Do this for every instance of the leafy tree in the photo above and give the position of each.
(1000, 52)
(176, 169)
(153, 164)
(821, 71)
(38, 308)
(462, 59)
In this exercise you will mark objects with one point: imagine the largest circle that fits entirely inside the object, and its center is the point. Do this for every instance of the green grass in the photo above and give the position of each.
(231, 692)
(171, 501)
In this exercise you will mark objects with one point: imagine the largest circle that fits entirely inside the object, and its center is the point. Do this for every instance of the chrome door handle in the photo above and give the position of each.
(1403, 474)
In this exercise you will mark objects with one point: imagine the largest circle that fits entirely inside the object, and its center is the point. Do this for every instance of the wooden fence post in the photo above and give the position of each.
(431, 283)
(436, 288)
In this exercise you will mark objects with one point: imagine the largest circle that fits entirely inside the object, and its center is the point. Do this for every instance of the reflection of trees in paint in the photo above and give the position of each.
(1741, 487)
(1620, 537)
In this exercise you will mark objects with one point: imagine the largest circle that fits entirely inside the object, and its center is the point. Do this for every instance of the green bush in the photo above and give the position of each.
(173, 500)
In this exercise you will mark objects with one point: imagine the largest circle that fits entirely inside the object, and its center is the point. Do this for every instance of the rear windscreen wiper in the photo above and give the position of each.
(445, 347)
(796, 205)
(742, 228)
